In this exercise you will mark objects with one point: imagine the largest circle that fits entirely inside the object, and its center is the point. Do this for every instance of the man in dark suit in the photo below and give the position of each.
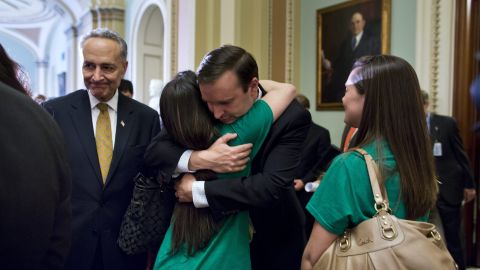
(356, 45)
(455, 176)
(35, 210)
(226, 75)
(313, 162)
(106, 135)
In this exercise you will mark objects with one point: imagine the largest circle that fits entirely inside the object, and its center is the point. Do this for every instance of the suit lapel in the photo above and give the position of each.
(125, 124)
(361, 42)
(81, 115)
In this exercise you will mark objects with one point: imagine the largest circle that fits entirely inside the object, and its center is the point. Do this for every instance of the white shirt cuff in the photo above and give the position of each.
(198, 194)
(182, 166)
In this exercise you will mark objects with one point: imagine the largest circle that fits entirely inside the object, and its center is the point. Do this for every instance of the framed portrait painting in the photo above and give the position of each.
(346, 32)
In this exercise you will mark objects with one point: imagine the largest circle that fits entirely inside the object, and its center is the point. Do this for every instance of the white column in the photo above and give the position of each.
(186, 35)
(446, 52)
(423, 43)
(42, 70)
(73, 69)
(434, 53)
(227, 25)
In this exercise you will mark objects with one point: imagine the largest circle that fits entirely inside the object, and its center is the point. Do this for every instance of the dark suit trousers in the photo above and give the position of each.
(304, 197)
(451, 217)
(98, 259)
(277, 254)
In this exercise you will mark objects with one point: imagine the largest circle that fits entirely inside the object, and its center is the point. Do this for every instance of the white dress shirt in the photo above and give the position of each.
(357, 39)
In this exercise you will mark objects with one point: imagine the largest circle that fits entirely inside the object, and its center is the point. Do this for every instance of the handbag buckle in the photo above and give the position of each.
(436, 235)
(344, 242)
(382, 207)
(387, 226)
(389, 232)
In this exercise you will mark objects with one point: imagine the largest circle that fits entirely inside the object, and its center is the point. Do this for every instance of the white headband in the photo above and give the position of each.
(354, 77)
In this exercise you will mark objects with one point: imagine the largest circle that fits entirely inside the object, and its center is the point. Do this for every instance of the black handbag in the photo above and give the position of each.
(148, 216)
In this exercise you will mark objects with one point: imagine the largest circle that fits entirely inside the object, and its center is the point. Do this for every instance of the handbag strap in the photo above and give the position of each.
(380, 203)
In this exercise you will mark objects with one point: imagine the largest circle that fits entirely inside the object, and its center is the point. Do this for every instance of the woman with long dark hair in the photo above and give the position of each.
(195, 240)
(383, 100)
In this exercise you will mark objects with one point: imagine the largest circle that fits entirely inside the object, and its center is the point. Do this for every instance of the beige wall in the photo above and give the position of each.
(207, 34)
(259, 26)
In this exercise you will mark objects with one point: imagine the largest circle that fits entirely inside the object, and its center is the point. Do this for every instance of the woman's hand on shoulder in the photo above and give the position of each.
(279, 96)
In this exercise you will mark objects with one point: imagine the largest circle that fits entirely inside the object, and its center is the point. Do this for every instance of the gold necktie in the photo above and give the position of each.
(103, 138)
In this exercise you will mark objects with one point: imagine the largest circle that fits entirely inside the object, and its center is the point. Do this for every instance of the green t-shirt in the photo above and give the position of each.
(230, 247)
(253, 127)
(344, 198)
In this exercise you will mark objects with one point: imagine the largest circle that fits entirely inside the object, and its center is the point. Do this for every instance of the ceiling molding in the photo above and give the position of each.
(23, 12)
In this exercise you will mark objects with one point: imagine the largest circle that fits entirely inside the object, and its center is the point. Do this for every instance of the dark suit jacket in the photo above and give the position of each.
(453, 168)
(98, 209)
(268, 193)
(314, 150)
(368, 45)
(35, 186)
(314, 160)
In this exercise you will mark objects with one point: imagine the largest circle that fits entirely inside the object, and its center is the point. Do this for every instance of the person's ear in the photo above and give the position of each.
(253, 87)
(125, 66)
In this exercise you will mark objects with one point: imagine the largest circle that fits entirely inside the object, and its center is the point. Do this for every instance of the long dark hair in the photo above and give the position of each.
(188, 121)
(393, 111)
(10, 71)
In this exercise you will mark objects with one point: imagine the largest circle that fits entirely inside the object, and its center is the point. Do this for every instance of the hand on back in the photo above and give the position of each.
(220, 157)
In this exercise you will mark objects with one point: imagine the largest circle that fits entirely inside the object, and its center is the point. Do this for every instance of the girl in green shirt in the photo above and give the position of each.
(383, 100)
(194, 240)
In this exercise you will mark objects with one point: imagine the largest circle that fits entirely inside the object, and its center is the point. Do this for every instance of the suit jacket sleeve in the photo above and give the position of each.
(155, 127)
(60, 239)
(269, 183)
(322, 148)
(163, 153)
(460, 155)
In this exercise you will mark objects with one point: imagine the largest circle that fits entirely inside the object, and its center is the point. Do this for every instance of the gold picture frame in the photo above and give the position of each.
(339, 43)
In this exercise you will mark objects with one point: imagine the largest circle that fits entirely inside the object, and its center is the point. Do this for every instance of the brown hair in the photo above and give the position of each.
(303, 100)
(228, 58)
(194, 129)
(393, 111)
(424, 97)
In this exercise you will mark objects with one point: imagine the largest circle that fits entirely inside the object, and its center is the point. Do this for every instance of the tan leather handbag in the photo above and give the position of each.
(385, 241)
